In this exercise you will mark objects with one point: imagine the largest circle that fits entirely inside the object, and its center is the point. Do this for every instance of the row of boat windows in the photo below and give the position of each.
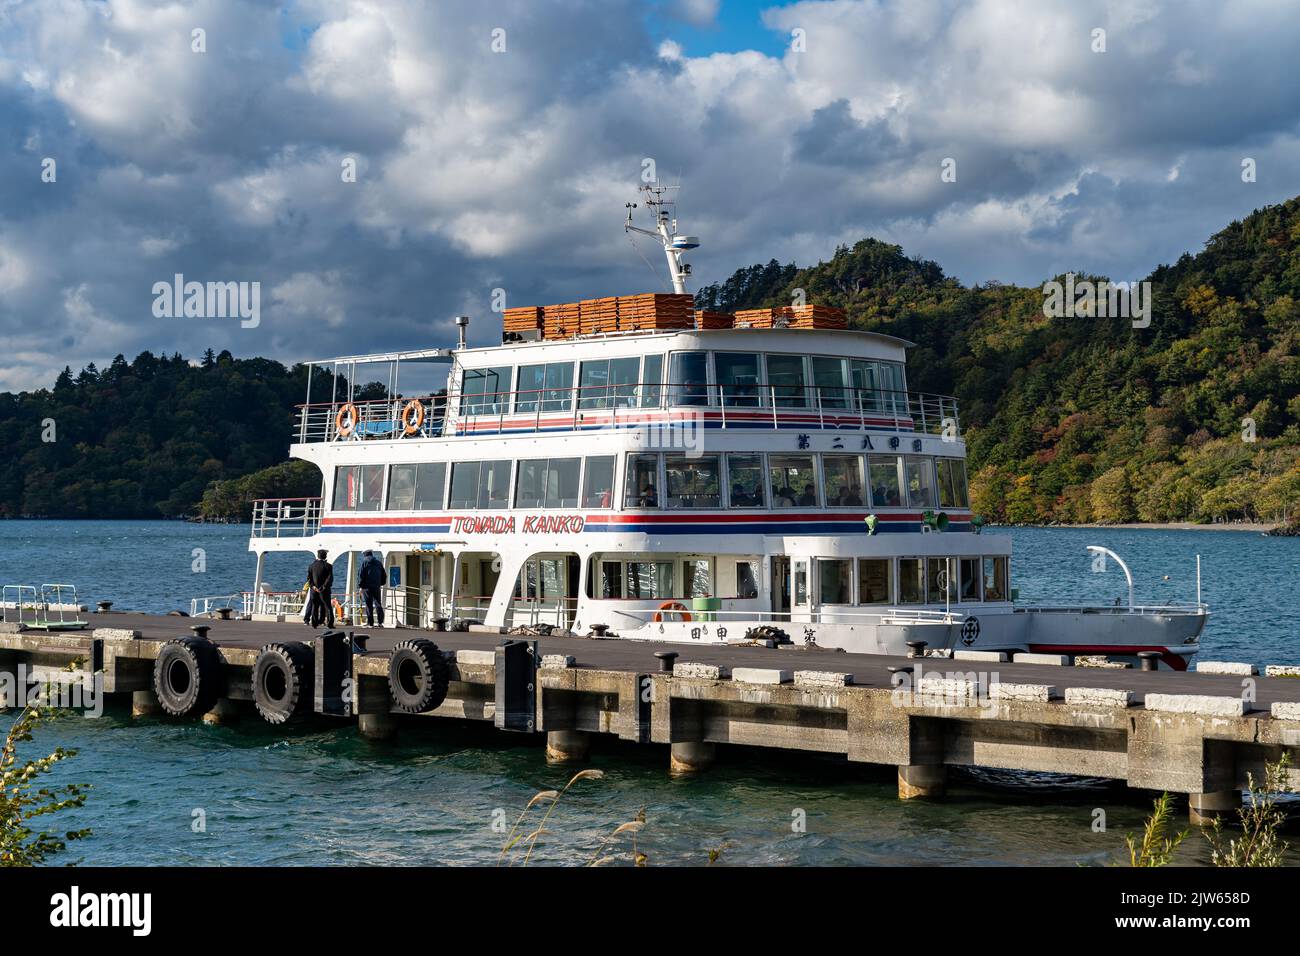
(736, 481)
(731, 379)
(846, 581)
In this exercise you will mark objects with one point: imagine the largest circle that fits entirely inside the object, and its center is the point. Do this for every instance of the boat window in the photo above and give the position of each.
(697, 578)
(693, 482)
(885, 485)
(358, 487)
(737, 376)
(911, 581)
(551, 385)
(952, 482)
(894, 396)
(416, 487)
(920, 482)
(873, 581)
(939, 578)
(642, 489)
(649, 580)
(746, 579)
(688, 378)
(745, 472)
(485, 391)
(800, 583)
(835, 580)
(865, 377)
(598, 483)
(652, 379)
(843, 480)
(786, 380)
(547, 483)
(995, 579)
(611, 579)
(608, 383)
(828, 379)
(480, 484)
(970, 579)
(794, 482)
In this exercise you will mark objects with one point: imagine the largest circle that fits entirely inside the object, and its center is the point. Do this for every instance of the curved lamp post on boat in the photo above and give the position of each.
(1098, 549)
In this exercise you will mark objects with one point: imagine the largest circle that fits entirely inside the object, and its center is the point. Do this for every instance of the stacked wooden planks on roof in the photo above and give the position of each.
(653, 311)
(705, 319)
(561, 321)
(527, 318)
(793, 317)
(598, 315)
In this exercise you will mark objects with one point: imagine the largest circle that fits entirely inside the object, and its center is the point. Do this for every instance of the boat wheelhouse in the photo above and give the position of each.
(686, 484)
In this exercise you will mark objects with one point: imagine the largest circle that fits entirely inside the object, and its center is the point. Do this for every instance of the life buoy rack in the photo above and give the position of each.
(673, 607)
(349, 410)
(412, 417)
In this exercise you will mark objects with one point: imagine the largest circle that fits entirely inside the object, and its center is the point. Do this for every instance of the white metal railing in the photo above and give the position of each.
(1140, 609)
(631, 404)
(286, 517)
(882, 616)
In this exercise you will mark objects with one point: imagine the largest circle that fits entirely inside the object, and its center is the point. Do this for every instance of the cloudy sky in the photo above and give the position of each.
(495, 142)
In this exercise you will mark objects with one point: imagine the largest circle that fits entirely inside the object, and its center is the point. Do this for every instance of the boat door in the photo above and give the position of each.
(800, 591)
(424, 591)
(780, 589)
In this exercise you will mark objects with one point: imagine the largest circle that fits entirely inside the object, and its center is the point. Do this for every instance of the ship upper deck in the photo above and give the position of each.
(718, 378)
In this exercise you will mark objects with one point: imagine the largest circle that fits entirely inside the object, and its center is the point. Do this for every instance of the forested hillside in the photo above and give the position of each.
(143, 438)
(1089, 419)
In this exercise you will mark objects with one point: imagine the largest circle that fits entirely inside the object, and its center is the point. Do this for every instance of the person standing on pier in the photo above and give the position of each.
(371, 582)
(320, 580)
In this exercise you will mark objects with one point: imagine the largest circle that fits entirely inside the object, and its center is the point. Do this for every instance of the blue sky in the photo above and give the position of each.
(496, 141)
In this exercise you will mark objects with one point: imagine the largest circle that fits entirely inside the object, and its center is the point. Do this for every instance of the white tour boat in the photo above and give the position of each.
(683, 484)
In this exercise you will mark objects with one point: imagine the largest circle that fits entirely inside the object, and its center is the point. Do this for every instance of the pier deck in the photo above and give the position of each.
(1201, 737)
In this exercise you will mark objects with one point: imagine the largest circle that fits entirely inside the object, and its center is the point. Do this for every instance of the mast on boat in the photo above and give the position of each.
(655, 199)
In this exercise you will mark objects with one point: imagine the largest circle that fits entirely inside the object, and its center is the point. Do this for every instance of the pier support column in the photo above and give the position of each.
(567, 746)
(922, 780)
(144, 703)
(1204, 808)
(377, 726)
(691, 757)
(225, 713)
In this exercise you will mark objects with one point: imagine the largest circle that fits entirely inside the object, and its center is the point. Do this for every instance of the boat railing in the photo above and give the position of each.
(883, 615)
(635, 404)
(210, 605)
(286, 517)
(1178, 608)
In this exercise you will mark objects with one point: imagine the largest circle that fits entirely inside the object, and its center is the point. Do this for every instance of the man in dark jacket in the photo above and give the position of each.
(320, 582)
(371, 581)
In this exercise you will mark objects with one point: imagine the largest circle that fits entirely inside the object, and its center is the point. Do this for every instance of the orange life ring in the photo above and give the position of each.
(349, 409)
(414, 408)
(675, 606)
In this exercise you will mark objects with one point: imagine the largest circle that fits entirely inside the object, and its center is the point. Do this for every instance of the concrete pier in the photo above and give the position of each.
(918, 781)
(1181, 732)
(567, 746)
(691, 757)
(377, 726)
(144, 703)
(226, 712)
(1204, 808)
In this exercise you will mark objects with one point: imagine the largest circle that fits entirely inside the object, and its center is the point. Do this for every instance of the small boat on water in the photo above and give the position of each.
(632, 468)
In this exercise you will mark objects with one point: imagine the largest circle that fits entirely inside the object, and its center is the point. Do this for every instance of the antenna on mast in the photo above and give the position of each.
(654, 198)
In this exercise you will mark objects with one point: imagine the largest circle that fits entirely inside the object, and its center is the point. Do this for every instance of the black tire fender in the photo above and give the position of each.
(418, 676)
(188, 676)
(283, 681)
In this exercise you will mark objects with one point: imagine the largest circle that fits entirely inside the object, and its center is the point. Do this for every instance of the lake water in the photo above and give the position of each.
(438, 795)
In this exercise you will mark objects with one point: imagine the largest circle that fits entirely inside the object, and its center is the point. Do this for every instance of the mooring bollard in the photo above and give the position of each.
(1150, 660)
(103, 607)
(224, 613)
(666, 659)
(201, 629)
(916, 648)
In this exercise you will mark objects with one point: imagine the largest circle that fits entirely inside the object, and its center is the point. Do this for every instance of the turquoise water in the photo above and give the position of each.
(322, 796)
